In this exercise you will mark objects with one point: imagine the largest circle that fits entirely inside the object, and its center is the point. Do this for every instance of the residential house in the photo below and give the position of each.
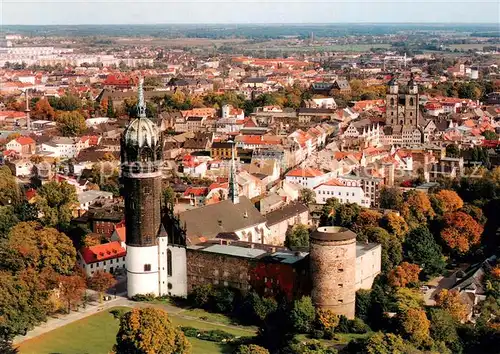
(22, 145)
(278, 221)
(343, 192)
(306, 177)
(108, 257)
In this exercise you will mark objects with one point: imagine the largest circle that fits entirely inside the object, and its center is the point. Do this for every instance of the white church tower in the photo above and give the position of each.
(151, 264)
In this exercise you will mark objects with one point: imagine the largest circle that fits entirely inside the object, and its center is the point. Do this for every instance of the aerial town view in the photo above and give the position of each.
(238, 177)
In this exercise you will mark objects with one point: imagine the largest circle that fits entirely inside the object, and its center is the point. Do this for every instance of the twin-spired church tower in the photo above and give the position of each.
(154, 265)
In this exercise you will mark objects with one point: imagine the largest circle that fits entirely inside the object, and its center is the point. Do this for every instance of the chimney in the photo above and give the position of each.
(219, 222)
(245, 215)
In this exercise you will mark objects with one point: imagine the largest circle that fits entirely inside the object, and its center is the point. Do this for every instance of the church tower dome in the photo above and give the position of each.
(141, 144)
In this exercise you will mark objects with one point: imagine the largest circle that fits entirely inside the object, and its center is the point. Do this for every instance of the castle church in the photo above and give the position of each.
(155, 262)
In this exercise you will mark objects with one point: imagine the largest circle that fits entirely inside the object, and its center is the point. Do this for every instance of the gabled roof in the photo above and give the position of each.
(305, 172)
(25, 140)
(103, 252)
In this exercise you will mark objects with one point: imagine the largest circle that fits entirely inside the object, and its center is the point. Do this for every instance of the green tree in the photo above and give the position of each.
(55, 200)
(452, 150)
(297, 236)
(391, 198)
(8, 219)
(110, 112)
(391, 247)
(490, 135)
(149, 330)
(71, 123)
(168, 196)
(444, 329)
(422, 249)
(302, 315)
(328, 212)
(382, 343)
(307, 196)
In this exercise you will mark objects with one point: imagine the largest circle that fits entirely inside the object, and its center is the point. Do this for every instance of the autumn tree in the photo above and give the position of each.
(450, 200)
(415, 326)
(168, 196)
(71, 289)
(71, 124)
(326, 320)
(406, 298)
(101, 281)
(403, 275)
(417, 207)
(30, 245)
(297, 236)
(55, 200)
(9, 189)
(328, 212)
(43, 110)
(422, 249)
(461, 231)
(395, 225)
(367, 218)
(449, 300)
(251, 349)
(23, 302)
(149, 330)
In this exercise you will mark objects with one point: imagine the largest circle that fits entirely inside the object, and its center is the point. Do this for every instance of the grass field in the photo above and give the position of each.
(477, 46)
(96, 335)
(325, 48)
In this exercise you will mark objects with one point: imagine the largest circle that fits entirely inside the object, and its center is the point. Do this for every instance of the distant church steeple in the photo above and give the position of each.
(233, 185)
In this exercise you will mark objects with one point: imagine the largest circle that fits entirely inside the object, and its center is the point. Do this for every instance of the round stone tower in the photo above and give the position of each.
(333, 261)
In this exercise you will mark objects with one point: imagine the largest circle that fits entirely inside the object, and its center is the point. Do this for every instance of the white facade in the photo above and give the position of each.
(109, 265)
(173, 269)
(306, 178)
(368, 265)
(343, 193)
(142, 270)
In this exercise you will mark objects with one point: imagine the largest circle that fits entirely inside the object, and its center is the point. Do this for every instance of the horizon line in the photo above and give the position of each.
(257, 23)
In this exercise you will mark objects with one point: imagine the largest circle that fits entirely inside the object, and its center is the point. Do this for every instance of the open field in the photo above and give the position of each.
(319, 48)
(96, 335)
(477, 46)
(179, 42)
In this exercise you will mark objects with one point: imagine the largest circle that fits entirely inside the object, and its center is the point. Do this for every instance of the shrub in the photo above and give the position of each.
(317, 334)
(143, 297)
(201, 296)
(358, 326)
(190, 331)
(216, 335)
(118, 313)
(223, 299)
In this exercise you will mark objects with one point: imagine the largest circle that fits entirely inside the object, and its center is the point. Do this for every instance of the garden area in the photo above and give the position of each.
(96, 334)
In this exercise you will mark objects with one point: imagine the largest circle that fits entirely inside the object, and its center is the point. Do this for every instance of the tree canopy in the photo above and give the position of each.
(150, 331)
(71, 124)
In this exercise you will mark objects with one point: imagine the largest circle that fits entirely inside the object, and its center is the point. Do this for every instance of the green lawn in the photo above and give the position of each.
(96, 335)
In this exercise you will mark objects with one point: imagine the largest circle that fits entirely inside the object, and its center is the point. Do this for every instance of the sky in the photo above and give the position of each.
(72, 12)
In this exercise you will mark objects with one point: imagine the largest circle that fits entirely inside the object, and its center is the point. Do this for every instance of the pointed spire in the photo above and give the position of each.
(141, 107)
(233, 186)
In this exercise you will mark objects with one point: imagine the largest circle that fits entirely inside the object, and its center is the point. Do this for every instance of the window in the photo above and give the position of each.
(110, 261)
(169, 263)
(123, 259)
(341, 270)
(147, 267)
(91, 266)
(341, 301)
(341, 285)
(104, 263)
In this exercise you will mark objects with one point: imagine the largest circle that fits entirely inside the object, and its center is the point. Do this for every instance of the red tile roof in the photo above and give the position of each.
(30, 193)
(25, 140)
(103, 252)
(196, 191)
(121, 231)
(304, 172)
